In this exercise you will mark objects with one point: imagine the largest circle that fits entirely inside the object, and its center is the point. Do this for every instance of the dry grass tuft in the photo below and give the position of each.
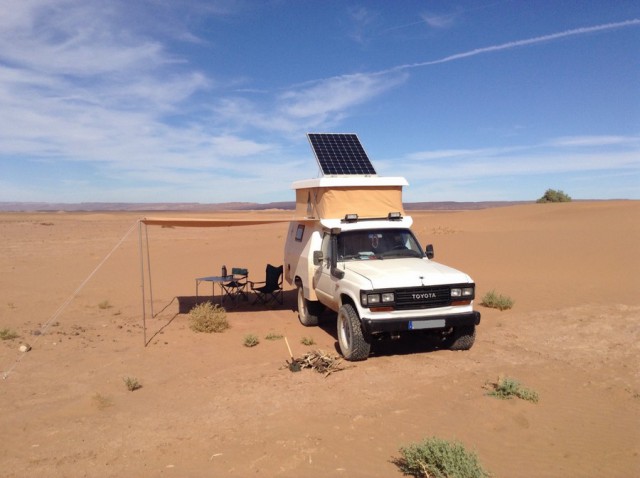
(506, 388)
(319, 361)
(8, 334)
(494, 300)
(208, 318)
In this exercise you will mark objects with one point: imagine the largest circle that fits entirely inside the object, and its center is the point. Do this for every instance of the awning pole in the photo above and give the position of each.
(144, 313)
(146, 233)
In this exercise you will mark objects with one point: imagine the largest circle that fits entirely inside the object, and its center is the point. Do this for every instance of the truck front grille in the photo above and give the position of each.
(423, 297)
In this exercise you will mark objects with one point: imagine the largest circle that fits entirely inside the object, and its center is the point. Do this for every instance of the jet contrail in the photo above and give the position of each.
(515, 44)
(479, 51)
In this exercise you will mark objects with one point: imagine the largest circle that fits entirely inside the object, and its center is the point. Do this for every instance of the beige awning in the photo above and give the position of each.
(193, 222)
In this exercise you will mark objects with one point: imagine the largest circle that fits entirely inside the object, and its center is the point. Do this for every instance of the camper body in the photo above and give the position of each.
(350, 248)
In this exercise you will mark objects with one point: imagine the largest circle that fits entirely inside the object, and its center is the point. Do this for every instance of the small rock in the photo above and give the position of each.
(25, 348)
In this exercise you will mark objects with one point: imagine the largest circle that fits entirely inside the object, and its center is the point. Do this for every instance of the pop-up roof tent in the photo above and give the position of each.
(349, 184)
(332, 198)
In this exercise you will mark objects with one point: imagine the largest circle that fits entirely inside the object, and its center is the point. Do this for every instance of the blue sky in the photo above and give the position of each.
(210, 101)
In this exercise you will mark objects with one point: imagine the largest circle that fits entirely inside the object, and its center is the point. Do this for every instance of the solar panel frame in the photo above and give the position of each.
(340, 154)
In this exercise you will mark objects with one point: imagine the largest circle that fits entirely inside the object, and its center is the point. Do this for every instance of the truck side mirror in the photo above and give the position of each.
(317, 258)
(429, 251)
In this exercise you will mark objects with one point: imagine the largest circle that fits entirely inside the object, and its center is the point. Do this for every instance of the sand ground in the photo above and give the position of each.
(211, 407)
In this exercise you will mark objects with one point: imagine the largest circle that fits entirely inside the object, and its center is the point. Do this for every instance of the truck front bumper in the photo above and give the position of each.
(372, 326)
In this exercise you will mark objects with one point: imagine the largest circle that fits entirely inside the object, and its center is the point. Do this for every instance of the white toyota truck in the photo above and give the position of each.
(350, 249)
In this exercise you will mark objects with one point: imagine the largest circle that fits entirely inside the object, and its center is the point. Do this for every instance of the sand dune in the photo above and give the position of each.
(211, 407)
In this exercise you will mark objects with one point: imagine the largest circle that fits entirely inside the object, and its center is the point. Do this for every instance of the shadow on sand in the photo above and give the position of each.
(384, 345)
(406, 344)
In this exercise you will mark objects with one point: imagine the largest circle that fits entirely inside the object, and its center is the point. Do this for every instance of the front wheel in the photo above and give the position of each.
(354, 343)
(460, 338)
(308, 310)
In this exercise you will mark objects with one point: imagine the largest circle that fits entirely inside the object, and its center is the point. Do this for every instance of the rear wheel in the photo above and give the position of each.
(308, 310)
(460, 338)
(354, 343)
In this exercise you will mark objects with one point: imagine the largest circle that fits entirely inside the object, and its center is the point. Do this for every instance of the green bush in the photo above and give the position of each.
(497, 301)
(273, 336)
(307, 341)
(506, 388)
(437, 458)
(208, 318)
(551, 195)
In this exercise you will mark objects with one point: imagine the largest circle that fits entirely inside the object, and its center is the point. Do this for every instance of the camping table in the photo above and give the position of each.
(214, 279)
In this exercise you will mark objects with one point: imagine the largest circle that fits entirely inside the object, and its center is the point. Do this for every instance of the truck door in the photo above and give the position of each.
(325, 283)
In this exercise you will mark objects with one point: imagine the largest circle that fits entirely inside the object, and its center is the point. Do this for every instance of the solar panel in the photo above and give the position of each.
(340, 154)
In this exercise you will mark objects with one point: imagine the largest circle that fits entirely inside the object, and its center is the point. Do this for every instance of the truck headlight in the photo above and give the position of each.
(376, 299)
(462, 292)
(388, 297)
(373, 299)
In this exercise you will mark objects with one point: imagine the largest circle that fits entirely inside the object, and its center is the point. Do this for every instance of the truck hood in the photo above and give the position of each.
(405, 272)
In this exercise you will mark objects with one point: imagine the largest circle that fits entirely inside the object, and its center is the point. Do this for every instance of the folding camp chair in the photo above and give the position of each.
(271, 288)
(236, 288)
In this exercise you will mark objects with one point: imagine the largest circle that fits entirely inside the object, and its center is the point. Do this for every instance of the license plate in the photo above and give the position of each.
(426, 324)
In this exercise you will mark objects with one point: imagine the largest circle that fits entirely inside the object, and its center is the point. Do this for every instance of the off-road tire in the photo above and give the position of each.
(308, 310)
(460, 338)
(354, 343)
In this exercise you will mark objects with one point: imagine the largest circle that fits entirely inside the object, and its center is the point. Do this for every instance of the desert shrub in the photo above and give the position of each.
(132, 383)
(102, 402)
(208, 318)
(8, 334)
(551, 195)
(437, 458)
(104, 305)
(506, 388)
(273, 336)
(251, 340)
(307, 341)
(497, 301)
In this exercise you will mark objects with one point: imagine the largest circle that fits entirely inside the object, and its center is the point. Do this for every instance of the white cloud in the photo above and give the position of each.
(438, 21)
(336, 94)
(361, 20)
(589, 141)
(524, 161)
(315, 104)
(73, 38)
(461, 153)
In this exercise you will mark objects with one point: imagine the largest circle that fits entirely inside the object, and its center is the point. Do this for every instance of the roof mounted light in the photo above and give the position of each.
(394, 216)
(351, 218)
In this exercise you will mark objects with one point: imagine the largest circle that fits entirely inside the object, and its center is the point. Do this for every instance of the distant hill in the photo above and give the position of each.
(228, 206)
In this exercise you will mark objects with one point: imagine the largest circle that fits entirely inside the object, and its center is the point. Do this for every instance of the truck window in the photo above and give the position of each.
(326, 248)
(377, 244)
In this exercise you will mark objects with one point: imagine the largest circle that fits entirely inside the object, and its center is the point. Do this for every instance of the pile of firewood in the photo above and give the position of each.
(317, 360)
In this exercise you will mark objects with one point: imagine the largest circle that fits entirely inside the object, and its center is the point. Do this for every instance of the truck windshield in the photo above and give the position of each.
(377, 244)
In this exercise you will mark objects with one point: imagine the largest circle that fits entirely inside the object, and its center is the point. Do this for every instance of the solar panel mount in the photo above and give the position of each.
(340, 154)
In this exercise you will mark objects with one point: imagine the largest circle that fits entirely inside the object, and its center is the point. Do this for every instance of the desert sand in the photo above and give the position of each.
(209, 406)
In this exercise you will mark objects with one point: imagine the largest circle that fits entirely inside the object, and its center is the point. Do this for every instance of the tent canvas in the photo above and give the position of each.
(333, 198)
